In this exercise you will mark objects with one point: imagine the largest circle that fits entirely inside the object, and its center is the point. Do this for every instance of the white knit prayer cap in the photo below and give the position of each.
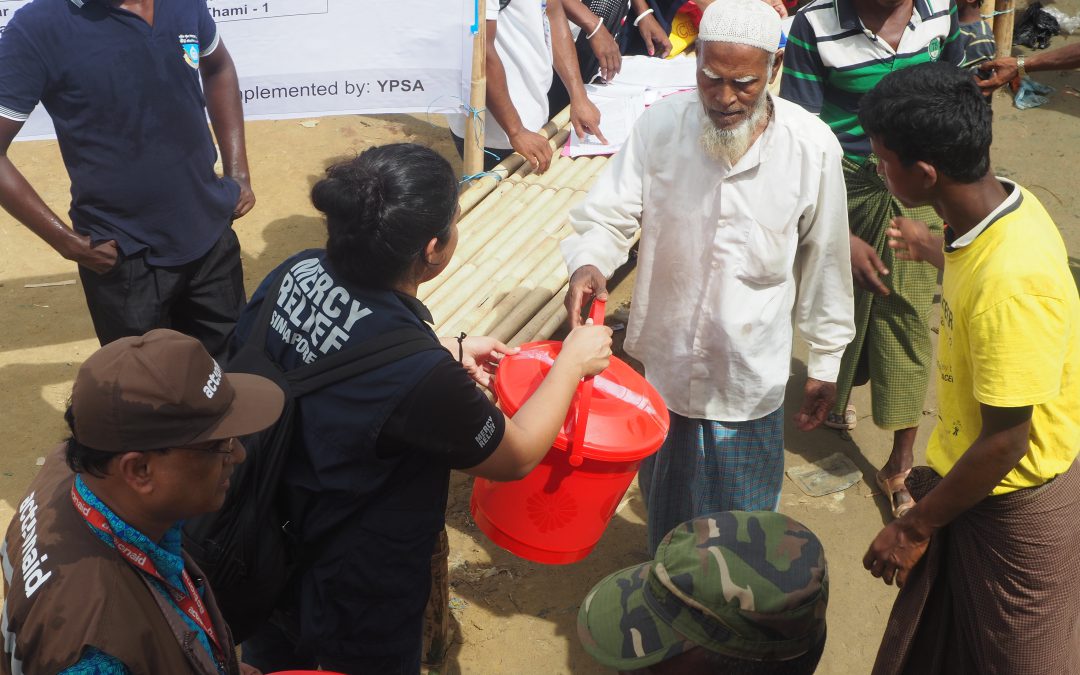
(741, 22)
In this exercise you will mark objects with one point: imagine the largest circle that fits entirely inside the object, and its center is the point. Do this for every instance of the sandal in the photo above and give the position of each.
(845, 422)
(894, 487)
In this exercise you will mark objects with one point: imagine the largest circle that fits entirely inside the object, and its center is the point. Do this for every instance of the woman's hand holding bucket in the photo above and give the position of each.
(589, 347)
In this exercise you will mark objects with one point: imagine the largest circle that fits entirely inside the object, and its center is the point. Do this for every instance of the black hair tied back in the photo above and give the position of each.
(382, 208)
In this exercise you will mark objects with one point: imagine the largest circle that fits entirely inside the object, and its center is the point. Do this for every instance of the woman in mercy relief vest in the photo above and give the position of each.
(367, 490)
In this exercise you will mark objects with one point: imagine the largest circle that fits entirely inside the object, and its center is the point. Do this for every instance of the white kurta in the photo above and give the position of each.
(727, 254)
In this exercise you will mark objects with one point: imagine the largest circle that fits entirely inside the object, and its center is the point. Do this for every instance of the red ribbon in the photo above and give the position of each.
(190, 603)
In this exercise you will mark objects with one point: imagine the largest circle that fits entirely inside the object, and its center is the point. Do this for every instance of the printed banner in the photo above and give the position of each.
(308, 58)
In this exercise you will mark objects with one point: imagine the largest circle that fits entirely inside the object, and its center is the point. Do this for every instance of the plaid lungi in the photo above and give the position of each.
(998, 590)
(892, 338)
(706, 466)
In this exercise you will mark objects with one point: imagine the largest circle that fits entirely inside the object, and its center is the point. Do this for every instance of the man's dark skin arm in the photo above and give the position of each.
(602, 43)
(1004, 69)
(1001, 444)
(584, 115)
(527, 143)
(24, 204)
(222, 89)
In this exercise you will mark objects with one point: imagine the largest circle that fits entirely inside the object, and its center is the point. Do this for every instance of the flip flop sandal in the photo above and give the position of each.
(894, 486)
(845, 422)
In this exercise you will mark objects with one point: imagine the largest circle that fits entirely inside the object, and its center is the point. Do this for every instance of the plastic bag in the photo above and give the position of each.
(1035, 27)
(1068, 24)
(1032, 94)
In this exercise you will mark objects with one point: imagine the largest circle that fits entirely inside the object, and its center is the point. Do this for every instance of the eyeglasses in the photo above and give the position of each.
(222, 446)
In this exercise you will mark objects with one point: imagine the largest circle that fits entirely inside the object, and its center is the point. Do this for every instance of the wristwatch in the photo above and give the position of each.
(1020, 67)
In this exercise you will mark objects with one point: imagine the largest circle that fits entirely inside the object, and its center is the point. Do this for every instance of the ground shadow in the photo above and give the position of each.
(282, 238)
(44, 315)
(813, 446)
(509, 585)
(34, 427)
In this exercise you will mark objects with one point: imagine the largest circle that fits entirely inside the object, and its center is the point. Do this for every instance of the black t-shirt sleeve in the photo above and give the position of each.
(445, 416)
(24, 76)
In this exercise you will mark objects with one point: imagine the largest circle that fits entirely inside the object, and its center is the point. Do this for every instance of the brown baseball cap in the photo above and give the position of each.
(163, 390)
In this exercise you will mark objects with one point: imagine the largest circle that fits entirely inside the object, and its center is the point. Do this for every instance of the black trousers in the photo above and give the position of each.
(202, 298)
(276, 646)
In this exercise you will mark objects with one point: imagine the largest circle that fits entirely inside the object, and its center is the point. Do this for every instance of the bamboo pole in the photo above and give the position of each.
(449, 296)
(572, 177)
(554, 322)
(555, 143)
(531, 328)
(520, 197)
(479, 316)
(1004, 20)
(559, 166)
(477, 117)
(476, 289)
(510, 203)
(508, 169)
(477, 276)
(467, 221)
(480, 278)
(515, 310)
(500, 280)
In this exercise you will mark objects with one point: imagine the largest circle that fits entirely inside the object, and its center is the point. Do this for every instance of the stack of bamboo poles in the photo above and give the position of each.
(507, 278)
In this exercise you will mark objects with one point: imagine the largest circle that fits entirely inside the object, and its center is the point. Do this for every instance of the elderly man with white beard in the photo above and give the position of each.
(740, 201)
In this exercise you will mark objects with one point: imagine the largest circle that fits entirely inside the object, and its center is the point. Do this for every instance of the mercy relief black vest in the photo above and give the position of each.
(344, 500)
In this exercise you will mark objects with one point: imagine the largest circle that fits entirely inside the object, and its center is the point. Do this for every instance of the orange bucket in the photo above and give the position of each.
(558, 513)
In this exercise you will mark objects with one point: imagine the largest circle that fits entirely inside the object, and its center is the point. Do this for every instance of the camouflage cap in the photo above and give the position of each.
(748, 585)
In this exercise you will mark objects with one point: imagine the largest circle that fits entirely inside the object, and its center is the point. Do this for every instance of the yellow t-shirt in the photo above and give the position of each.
(1010, 337)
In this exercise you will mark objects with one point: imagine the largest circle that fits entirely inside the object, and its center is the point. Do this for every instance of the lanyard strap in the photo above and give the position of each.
(190, 602)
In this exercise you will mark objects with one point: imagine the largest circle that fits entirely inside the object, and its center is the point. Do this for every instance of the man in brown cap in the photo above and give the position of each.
(94, 576)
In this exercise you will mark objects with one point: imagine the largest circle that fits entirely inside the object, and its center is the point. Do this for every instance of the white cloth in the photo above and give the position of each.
(726, 254)
(741, 22)
(523, 42)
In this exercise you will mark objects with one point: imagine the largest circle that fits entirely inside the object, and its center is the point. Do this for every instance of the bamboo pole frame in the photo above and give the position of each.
(1004, 20)
(475, 273)
(545, 322)
(477, 116)
(515, 201)
(507, 278)
(442, 299)
(479, 189)
(499, 286)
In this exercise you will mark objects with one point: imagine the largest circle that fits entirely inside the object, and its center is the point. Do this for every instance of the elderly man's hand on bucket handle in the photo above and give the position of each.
(586, 283)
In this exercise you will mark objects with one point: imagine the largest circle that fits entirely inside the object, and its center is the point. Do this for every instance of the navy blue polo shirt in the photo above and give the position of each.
(128, 107)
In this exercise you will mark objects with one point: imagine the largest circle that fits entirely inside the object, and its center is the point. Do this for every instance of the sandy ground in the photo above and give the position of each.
(510, 616)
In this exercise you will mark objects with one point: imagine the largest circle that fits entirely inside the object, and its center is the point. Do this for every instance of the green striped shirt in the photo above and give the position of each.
(831, 60)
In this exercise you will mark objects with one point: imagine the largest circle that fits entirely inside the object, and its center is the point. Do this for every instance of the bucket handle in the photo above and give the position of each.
(585, 391)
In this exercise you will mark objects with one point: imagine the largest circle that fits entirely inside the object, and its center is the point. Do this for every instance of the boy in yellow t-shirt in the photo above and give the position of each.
(989, 554)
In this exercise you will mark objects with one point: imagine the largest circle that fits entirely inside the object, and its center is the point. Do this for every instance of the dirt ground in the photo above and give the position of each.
(509, 616)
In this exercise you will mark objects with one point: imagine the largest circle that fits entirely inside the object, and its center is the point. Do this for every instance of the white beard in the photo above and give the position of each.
(729, 145)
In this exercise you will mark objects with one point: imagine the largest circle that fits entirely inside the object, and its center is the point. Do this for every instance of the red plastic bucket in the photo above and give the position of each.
(557, 513)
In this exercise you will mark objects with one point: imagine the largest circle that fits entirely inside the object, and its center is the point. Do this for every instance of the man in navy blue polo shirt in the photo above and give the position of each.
(150, 218)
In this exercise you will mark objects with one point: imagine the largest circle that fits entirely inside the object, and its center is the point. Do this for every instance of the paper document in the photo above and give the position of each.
(642, 81)
(617, 117)
(649, 71)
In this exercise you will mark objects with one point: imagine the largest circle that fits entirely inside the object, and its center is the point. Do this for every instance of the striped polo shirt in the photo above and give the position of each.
(831, 60)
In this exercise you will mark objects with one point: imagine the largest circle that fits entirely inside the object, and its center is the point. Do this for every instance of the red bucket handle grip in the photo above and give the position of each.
(585, 391)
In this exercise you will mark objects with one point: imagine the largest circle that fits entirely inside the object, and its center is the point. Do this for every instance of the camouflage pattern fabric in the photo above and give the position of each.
(750, 585)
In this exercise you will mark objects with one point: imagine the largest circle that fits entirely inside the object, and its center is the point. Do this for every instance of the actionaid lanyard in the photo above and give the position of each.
(190, 603)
